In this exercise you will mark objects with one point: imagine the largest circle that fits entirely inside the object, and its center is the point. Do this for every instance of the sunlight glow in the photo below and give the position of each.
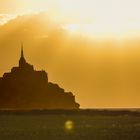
(97, 18)
(102, 18)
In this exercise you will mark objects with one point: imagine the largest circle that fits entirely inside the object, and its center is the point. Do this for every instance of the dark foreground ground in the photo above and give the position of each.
(70, 125)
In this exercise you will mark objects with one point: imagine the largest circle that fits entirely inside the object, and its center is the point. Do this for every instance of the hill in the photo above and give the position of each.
(26, 88)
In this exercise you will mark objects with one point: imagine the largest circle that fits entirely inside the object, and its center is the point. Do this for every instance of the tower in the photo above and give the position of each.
(22, 61)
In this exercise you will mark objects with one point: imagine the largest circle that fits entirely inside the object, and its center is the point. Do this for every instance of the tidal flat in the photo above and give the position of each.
(70, 125)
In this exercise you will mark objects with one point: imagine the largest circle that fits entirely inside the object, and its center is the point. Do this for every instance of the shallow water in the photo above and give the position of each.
(80, 127)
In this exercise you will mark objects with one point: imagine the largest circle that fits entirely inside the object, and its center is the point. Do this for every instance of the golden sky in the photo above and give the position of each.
(98, 18)
(89, 47)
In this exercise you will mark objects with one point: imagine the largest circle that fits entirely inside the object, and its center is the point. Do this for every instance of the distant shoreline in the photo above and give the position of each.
(89, 112)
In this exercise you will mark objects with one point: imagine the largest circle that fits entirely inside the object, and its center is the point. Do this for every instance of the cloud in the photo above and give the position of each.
(4, 18)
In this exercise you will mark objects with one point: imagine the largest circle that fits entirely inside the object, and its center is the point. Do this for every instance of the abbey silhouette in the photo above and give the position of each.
(26, 88)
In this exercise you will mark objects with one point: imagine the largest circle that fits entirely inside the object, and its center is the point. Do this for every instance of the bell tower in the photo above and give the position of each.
(22, 61)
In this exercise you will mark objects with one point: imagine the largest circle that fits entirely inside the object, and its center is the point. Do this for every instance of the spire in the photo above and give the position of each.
(22, 54)
(22, 60)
